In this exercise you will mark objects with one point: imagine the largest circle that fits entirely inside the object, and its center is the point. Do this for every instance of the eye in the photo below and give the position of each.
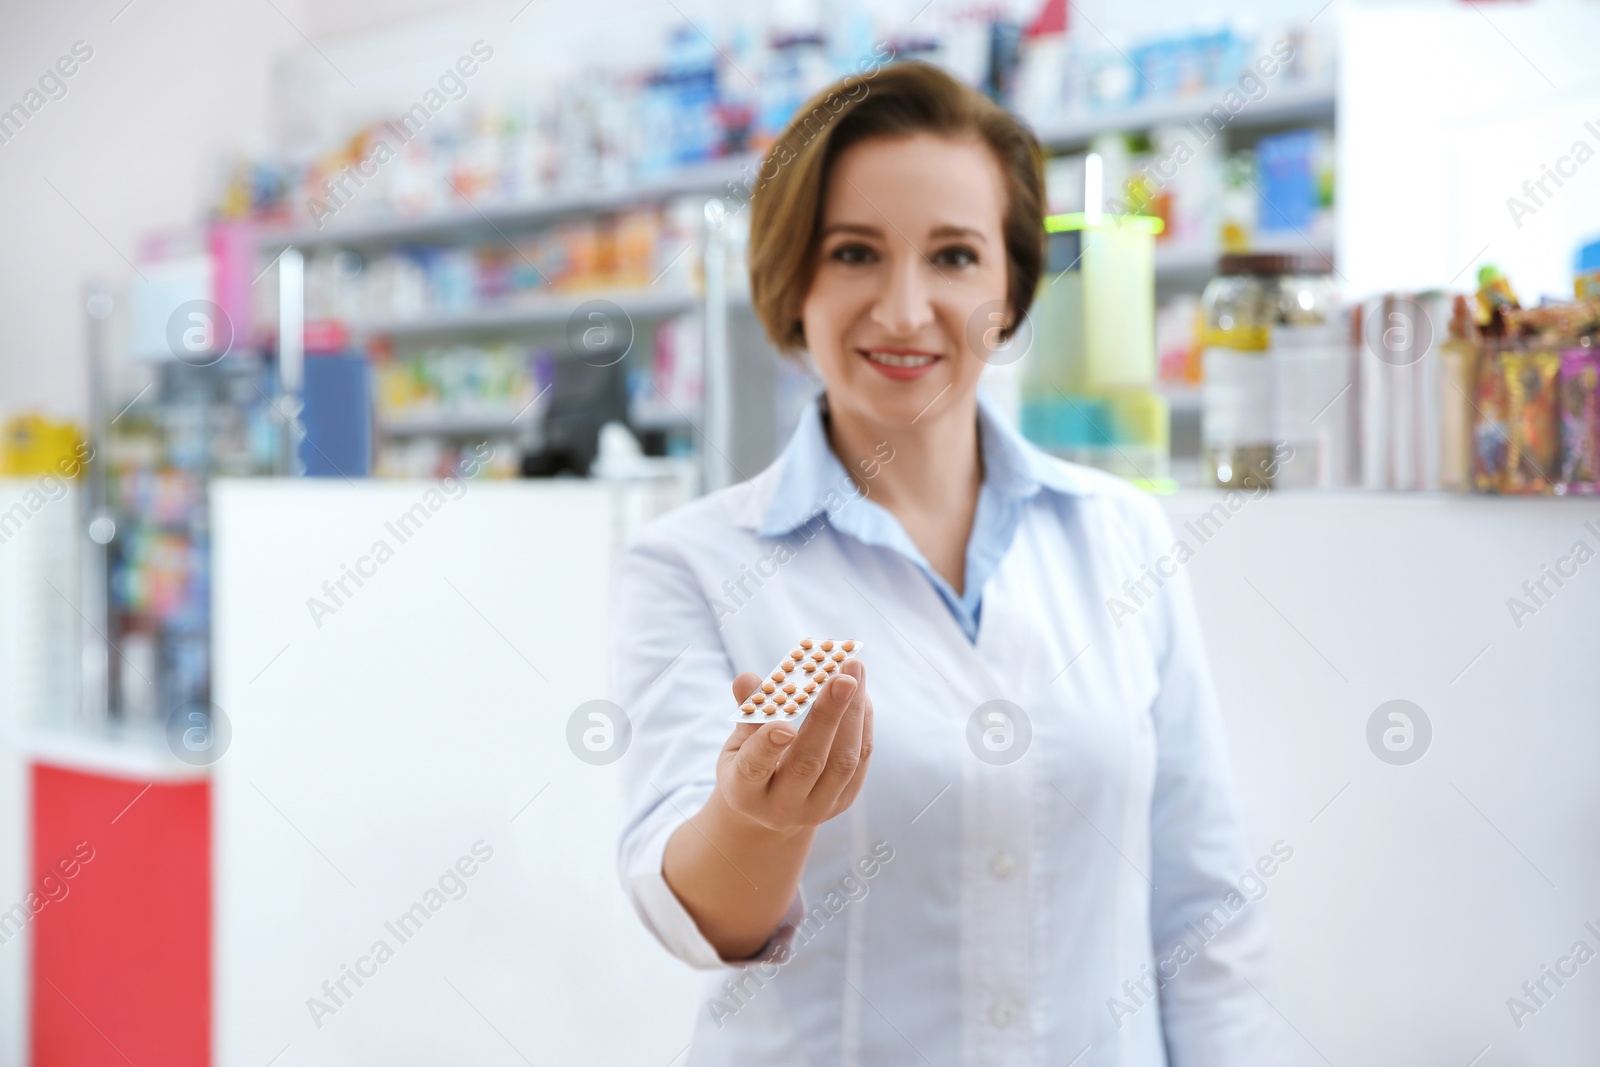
(854, 254)
(956, 256)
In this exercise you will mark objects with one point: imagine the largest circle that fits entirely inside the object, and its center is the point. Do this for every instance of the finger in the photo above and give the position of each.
(852, 788)
(747, 683)
(844, 757)
(808, 756)
(741, 733)
(759, 755)
(744, 684)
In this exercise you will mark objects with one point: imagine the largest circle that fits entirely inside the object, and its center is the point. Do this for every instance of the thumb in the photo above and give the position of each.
(758, 756)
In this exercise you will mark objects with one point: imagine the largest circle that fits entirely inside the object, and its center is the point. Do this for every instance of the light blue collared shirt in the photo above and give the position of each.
(814, 482)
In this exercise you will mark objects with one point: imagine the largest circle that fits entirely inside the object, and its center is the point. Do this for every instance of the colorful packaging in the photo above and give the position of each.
(1490, 434)
(581, 254)
(537, 261)
(1586, 281)
(636, 235)
(1580, 421)
(1533, 459)
(494, 267)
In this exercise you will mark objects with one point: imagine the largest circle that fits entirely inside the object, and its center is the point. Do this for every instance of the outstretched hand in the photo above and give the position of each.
(788, 780)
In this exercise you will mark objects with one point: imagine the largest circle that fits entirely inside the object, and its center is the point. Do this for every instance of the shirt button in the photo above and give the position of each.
(1002, 863)
(1003, 1014)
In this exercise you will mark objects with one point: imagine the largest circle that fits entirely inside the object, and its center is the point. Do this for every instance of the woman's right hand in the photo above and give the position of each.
(787, 780)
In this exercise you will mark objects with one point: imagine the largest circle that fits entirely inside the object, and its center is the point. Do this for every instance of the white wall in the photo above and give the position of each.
(170, 87)
(1444, 113)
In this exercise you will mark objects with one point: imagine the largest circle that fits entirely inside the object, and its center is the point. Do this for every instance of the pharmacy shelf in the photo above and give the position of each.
(536, 313)
(1191, 265)
(506, 423)
(462, 221)
(1288, 105)
(1192, 262)
(1313, 102)
(450, 425)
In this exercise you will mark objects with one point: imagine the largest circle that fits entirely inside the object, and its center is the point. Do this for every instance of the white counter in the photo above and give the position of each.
(428, 711)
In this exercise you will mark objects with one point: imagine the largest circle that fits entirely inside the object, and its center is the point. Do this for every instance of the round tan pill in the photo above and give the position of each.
(830, 666)
(791, 708)
(827, 646)
(757, 698)
(788, 687)
(848, 646)
(819, 655)
(748, 709)
(838, 657)
(777, 676)
(808, 666)
(801, 698)
(811, 686)
(770, 709)
(806, 642)
(795, 653)
(768, 687)
(786, 665)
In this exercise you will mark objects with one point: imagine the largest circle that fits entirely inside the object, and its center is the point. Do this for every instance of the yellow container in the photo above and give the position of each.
(35, 445)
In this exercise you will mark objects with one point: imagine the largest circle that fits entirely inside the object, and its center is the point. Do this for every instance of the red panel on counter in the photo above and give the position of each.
(121, 968)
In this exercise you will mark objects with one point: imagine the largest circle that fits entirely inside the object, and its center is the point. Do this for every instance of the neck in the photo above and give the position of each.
(932, 466)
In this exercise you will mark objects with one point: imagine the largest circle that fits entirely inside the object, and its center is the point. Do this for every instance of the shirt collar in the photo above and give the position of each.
(811, 481)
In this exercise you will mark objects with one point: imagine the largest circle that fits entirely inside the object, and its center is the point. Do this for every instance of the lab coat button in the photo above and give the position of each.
(1003, 1014)
(1002, 863)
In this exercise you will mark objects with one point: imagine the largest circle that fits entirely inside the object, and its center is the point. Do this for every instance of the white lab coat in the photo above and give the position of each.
(962, 911)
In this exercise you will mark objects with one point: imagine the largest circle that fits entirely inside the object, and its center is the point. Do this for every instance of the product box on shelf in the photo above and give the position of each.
(1537, 413)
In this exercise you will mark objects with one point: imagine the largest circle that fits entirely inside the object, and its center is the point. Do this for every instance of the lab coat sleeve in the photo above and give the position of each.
(1208, 926)
(674, 682)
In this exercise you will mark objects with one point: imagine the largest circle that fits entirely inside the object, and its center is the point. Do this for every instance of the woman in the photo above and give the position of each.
(994, 855)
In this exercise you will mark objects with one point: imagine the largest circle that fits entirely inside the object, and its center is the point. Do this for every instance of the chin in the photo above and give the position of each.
(893, 403)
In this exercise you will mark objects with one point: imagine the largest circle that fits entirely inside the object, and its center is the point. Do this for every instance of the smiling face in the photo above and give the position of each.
(911, 253)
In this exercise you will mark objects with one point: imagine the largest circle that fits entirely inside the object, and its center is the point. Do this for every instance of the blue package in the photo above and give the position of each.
(1285, 164)
(337, 416)
(1589, 257)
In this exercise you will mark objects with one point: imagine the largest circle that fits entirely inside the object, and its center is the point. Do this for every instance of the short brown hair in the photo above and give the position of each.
(895, 101)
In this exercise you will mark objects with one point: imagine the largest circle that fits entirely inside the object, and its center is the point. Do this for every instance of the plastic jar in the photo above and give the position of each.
(1275, 357)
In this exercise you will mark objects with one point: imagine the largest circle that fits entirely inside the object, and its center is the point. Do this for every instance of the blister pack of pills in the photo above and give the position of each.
(793, 685)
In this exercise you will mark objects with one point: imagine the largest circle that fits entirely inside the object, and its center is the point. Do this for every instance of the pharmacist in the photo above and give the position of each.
(1006, 833)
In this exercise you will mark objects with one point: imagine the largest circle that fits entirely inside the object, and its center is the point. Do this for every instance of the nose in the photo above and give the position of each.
(903, 307)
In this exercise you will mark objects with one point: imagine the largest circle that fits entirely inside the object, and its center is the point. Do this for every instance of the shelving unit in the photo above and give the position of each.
(455, 424)
(545, 313)
(1289, 105)
(1180, 268)
(1187, 267)
(474, 222)
(1184, 266)
(529, 314)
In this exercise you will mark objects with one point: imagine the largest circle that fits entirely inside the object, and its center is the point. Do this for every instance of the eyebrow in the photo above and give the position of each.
(865, 229)
(852, 227)
(950, 230)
